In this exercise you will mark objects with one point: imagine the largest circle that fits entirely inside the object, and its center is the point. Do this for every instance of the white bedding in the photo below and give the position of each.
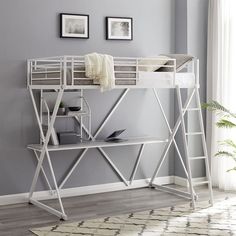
(165, 79)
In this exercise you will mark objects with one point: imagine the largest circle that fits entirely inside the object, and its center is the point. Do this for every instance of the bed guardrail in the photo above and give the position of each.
(70, 70)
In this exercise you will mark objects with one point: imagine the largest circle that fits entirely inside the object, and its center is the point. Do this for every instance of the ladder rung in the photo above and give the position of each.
(197, 158)
(194, 133)
(200, 183)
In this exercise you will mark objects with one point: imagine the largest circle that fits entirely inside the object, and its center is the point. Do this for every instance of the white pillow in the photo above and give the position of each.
(152, 63)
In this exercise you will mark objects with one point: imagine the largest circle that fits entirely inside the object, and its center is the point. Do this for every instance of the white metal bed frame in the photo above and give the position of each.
(60, 65)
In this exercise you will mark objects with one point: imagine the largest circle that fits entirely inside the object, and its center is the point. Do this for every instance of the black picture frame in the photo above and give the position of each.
(119, 28)
(74, 26)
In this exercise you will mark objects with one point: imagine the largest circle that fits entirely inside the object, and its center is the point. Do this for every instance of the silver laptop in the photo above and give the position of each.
(114, 136)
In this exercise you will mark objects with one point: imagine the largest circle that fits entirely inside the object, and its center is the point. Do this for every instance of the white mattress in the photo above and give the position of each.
(165, 79)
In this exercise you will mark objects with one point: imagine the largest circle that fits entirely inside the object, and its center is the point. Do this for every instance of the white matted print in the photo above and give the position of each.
(74, 26)
(119, 28)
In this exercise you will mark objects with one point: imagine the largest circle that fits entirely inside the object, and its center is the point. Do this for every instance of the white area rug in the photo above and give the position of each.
(219, 220)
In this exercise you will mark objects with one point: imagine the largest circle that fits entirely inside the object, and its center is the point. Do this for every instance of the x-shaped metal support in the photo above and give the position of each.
(93, 137)
(182, 111)
(171, 132)
(44, 152)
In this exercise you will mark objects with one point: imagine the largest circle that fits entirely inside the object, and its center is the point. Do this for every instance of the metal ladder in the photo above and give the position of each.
(190, 159)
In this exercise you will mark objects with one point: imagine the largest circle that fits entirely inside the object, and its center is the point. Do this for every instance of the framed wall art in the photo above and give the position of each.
(119, 28)
(74, 26)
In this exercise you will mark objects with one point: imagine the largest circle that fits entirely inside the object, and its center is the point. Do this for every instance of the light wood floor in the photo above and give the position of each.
(18, 219)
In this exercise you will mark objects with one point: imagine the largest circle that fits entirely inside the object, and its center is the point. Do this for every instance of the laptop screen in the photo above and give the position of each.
(115, 134)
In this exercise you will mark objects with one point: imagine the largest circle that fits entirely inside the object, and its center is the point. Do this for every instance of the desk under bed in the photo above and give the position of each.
(67, 73)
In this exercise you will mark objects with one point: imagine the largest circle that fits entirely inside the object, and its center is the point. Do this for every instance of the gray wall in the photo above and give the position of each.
(191, 38)
(29, 29)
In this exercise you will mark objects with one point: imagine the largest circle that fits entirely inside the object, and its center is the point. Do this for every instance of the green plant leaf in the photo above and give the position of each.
(224, 154)
(227, 120)
(223, 123)
(233, 169)
(215, 106)
(229, 143)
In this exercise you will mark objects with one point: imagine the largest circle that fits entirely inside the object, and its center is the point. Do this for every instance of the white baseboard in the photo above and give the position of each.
(85, 190)
(184, 182)
(92, 189)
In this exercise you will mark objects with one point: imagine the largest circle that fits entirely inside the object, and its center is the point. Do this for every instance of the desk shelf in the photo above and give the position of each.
(72, 115)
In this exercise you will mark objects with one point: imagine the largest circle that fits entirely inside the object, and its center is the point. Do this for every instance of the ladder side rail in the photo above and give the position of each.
(180, 104)
(208, 174)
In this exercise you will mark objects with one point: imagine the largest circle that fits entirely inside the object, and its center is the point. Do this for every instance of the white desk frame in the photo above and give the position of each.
(43, 151)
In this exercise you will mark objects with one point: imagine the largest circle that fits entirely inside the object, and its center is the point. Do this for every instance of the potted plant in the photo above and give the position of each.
(227, 120)
(61, 109)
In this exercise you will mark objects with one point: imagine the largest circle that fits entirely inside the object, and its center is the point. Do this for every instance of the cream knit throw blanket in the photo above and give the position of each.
(100, 68)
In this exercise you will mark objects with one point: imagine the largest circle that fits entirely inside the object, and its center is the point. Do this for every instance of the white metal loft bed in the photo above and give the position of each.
(67, 73)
